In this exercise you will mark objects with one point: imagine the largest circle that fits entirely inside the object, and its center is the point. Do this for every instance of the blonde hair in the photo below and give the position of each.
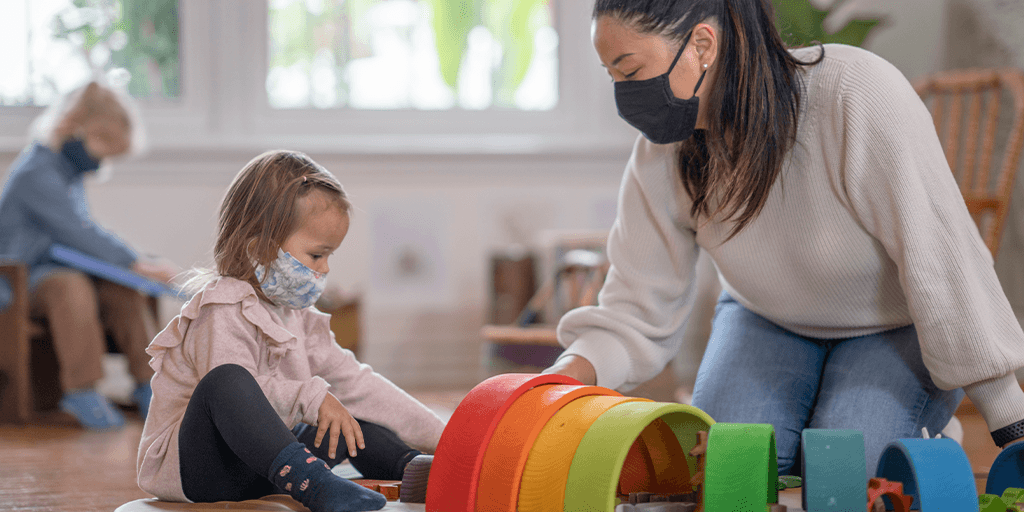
(64, 116)
(260, 210)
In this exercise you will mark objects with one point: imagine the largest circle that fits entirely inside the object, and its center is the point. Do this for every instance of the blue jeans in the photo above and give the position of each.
(754, 371)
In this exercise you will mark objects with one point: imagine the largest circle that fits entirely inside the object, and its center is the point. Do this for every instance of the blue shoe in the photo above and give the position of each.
(92, 410)
(142, 396)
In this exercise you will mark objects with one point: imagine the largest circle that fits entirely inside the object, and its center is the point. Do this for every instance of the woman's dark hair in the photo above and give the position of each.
(753, 103)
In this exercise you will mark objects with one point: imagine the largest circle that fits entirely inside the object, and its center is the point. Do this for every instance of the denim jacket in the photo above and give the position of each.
(43, 202)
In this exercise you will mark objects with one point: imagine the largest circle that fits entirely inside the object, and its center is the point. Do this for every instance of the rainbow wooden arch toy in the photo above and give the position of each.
(545, 442)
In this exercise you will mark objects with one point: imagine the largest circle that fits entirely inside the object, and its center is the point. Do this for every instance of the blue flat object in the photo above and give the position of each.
(92, 410)
(935, 472)
(1007, 470)
(113, 273)
(835, 470)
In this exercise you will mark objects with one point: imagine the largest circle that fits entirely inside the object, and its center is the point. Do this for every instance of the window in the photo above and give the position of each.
(63, 43)
(341, 76)
(409, 54)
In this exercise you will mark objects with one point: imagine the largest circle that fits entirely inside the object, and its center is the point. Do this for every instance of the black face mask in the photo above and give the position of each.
(74, 150)
(649, 106)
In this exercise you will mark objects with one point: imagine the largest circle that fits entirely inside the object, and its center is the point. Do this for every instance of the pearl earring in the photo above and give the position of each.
(705, 66)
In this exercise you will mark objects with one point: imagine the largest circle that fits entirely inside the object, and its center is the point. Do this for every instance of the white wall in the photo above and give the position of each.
(421, 331)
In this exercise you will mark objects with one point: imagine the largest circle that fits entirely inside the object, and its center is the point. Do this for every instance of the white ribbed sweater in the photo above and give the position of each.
(865, 231)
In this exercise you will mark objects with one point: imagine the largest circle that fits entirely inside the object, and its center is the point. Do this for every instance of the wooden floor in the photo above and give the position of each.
(52, 466)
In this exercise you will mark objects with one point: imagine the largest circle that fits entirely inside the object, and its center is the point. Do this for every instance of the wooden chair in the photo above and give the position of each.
(16, 331)
(967, 108)
(28, 363)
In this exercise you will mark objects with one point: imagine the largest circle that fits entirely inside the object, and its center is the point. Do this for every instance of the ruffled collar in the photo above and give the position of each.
(226, 290)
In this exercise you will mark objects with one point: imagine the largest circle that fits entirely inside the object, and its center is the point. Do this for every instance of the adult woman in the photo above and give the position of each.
(43, 203)
(857, 292)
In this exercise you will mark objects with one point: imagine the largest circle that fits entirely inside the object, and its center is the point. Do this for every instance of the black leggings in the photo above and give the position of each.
(230, 435)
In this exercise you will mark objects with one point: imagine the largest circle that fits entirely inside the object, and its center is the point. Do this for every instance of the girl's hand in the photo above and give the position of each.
(335, 417)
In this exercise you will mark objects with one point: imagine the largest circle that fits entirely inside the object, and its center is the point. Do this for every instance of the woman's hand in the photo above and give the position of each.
(576, 367)
(335, 417)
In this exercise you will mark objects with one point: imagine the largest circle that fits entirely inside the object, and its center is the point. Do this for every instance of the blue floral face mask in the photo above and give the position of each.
(290, 283)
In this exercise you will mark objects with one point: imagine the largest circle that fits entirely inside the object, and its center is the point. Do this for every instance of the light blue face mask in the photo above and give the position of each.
(290, 283)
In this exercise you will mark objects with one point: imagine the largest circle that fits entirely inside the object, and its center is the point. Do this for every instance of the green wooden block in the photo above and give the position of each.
(740, 469)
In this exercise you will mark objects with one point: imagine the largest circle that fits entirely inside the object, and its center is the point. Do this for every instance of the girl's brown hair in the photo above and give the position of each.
(260, 210)
(753, 104)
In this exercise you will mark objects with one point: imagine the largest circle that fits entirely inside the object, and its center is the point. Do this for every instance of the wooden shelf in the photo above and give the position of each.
(533, 335)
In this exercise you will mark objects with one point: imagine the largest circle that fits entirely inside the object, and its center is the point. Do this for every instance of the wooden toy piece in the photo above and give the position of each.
(637, 470)
(1007, 470)
(596, 468)
(1013, 495)
(639, 497)
(414, 480)
(699, 450)
(546, 471)
(934, 471)
(374, 485)
(834, 470)
(775, 507)
(656, 463)
(502, 468)
(391, 491)
(789, 482)
(878, 487)
(455, 471)
(741, 469)
(991, 503)
(1013, 498)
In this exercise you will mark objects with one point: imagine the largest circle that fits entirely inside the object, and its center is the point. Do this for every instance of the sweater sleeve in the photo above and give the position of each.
(50, 203)
(222, 335)
(902, 191)
(636, 328)
(369, 395)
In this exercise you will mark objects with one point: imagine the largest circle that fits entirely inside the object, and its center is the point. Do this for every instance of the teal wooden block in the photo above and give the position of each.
(835, 470)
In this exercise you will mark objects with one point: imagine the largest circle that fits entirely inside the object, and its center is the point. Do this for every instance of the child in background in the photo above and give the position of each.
(44, 203)
(251, 394)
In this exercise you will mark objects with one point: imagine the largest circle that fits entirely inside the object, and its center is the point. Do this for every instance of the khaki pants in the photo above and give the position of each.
(80, 311)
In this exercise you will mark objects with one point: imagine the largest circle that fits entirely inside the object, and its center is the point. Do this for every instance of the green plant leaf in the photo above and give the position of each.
(801, 24)
(453, 19)
(854, 33)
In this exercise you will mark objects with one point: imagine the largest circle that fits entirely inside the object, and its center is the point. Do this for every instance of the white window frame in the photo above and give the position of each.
(224, 108)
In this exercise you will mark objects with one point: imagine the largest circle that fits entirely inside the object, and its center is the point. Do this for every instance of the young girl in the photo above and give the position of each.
(252, 396)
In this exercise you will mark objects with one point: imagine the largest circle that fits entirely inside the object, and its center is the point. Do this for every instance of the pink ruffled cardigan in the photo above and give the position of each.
(227, 323)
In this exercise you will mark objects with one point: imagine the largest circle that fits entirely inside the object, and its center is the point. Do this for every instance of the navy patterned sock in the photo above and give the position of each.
(309, 480)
